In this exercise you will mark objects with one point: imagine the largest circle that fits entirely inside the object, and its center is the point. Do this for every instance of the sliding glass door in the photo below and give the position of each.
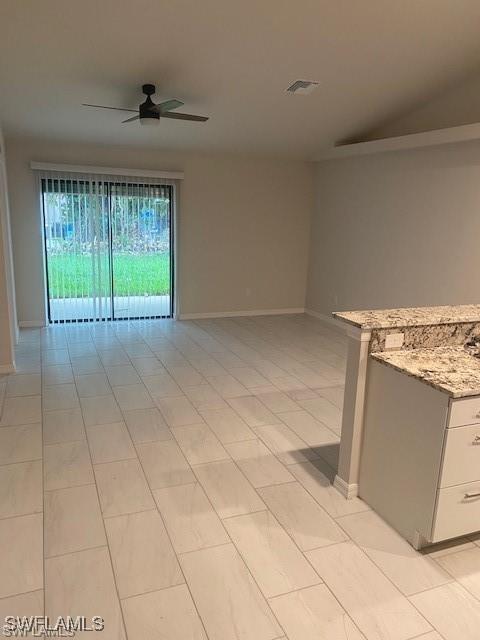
(77, 244)
(108, 249)
(141, 250)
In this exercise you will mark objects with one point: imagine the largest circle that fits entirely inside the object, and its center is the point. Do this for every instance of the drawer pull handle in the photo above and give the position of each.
(472, 494)
(476, 440)
(478, 415)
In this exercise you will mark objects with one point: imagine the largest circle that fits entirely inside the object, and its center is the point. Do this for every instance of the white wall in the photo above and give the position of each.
(8, 318)
(243, 225)
(396, 229)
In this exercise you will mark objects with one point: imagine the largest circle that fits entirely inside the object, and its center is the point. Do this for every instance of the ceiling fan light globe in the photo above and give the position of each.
(149, 122)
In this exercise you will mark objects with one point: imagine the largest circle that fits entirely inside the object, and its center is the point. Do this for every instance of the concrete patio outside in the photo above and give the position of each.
(124, 307)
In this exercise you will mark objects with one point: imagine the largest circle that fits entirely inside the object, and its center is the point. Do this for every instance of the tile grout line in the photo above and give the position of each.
(68, 553)
(21, 593)
(72, 486)
(9, 464)
(211, 546)
(128, 513)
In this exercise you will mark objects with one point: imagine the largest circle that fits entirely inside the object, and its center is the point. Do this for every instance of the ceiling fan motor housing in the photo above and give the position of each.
(148, 89)
(145, 108)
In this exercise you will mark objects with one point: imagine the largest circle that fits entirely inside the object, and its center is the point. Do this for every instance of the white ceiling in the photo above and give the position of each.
(230, 60)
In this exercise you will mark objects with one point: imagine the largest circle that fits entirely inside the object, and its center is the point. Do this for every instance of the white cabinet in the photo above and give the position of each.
(420, 466)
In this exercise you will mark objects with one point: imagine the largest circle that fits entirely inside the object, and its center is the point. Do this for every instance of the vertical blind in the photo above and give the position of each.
(108, 246)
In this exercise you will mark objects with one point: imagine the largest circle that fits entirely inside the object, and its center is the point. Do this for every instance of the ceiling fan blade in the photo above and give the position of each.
(184, 116)
(101, 106)
(168, 105)
(131, 119)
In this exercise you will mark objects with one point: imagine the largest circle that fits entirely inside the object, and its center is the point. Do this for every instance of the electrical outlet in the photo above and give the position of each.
(394, 340)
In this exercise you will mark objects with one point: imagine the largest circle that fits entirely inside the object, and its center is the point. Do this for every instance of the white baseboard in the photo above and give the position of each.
(7, 368)
(31, 324)
(341, 327)
(34, 324)
(235, 314)
(349, 491)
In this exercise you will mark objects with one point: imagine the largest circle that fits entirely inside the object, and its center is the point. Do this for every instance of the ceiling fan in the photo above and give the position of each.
(150, 113)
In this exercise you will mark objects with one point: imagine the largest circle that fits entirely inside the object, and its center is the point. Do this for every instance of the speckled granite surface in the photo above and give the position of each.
(410, 316)
(448, 369)
(440, 335)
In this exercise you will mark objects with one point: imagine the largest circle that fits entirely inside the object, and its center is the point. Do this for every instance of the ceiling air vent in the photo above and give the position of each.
(302, 87)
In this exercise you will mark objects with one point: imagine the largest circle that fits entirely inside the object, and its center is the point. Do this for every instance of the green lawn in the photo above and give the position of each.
(70, 276)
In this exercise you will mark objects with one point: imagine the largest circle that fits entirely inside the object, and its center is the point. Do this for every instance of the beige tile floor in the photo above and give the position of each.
(175, 478)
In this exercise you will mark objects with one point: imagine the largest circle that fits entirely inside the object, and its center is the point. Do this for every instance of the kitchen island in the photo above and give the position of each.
(420, 462)
(384, 331)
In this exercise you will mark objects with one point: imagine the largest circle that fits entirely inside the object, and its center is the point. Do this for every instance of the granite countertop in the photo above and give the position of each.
(410, 316)
(449, 369)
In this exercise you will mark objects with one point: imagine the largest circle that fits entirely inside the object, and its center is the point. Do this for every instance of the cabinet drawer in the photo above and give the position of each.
(458, 511)
(464, 411)
(461, 460)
